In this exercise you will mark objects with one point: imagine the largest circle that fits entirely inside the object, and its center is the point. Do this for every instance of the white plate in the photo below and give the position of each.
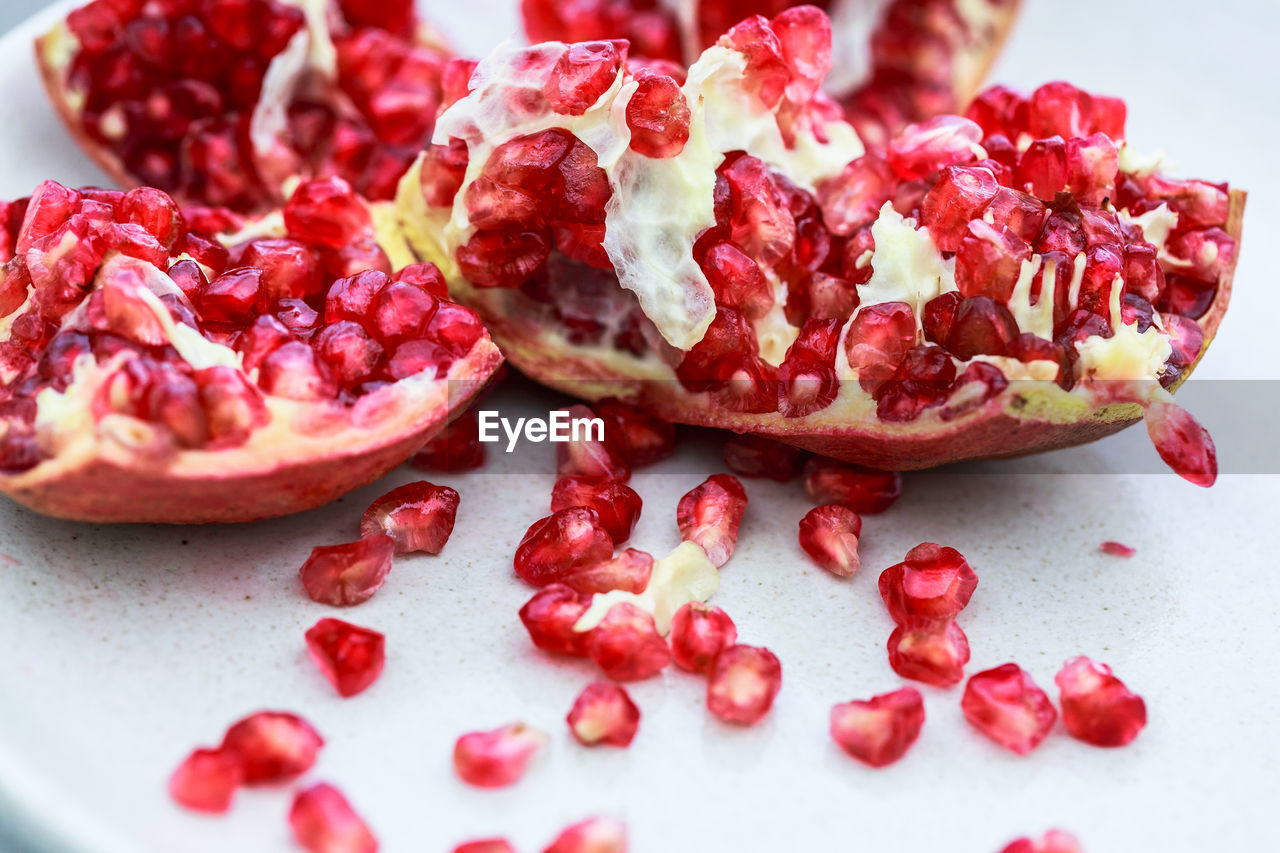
(126, 646)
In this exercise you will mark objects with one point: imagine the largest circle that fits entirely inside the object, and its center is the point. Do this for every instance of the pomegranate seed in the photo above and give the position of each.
(699, 632)
(628, 571)
(272, 746)
(550, 617)
(616, 504)
(756, 456)
(486, 845)
(922, 149)
(989, 261)
(1007, 706)
(982, 326)
(626, 644)
(960, 194)
(742, 684)
(604, 713)
(456, 448)
(737, 280)
(658, 117)
(1182, 443)
(863, 490)
(206, 780)
(854, 197)
(498, 758)
(324, 822)
(584, 72)
(349, 656)
(641, 438)
(1042, 168)
(933, 582)
(1097, 707)
(327, 212)
(590, 457)
(1054, 841)
(1117, 549)
(561, 543)
(878, 731)
(829, 535)
(418, 516)
(710, 515)
(878, 337)
(594, 835)
(929, 651)
(349, 574)
(1092, 164)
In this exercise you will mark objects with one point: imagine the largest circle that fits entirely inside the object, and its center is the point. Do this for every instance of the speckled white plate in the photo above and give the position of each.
(123, 647)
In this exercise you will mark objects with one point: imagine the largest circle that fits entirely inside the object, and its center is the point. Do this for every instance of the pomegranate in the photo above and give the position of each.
(1117, 549)
(929, 651)
(324, 822)
(829, 535)
(742, 684)
(349, 574)
(223, 102)
(699, 632)
(594, 835)
(349, 656)
(878, 731)
(206, 780)
(485, 845)
(616, 504)
(1007, 706)
(1097, 707)
(993, 284)
(272, 747)
(550, 617)
(604, 713)
(418, 516)
(626, 644)
(497, 758)
(710, 514)
(157, 372)
(1054, 841)
(932, 583)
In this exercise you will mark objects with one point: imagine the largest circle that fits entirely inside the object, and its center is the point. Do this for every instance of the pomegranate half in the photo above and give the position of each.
(723, 252)
(149, 372)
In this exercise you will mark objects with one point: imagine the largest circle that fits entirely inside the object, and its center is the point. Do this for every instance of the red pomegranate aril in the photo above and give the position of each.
(505, 258)
(990, 260)
(629, 571)
(924, 148)
(353, 298)
(737, 280)
(206, 780)
(616, 504)
(960, 194)
(1143, 274)
(742, 684)
(879, 731)
(231, 297)
(854, 197)
(584, 72)
(1097, 707)
(588, 453)
(326, 212)
(594, 835)
(424, 277)
(982, 326)
(746, 383)
(658, 117)
(549, 618)
(699, 632)
(1007, 706)
(1186, 296)
(1204, 251)
(558, 545)
(1117, 549)
(349, 656)
(877, 338)
(1028, 348)
(288, 267)
(940, 316)
(1092, 163)
(272, 746)
(805, 385)
(324, 822)
(349, 574)
(1054, 841)
(604, 714)
(710, 515)
(639, 437)
(1182, 443)
(401, 312)
(864, 490)
(351, 354)
(497, 758)
(485, 845)
(829, 535)
(1042, 168)
(755, 456)
(418, 516)
(929, 651)
(933, 582)
(626, 645)
(1059, 108)
(1021, 213)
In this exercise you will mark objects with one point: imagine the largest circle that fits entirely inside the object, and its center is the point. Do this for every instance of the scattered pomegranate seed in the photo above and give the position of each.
(349, 574)
(929, 651)
(486, 845)
(349, 656)
(206, 780)
(324, 822)
(549, 618)
(754, 456)
(589, 457)
(1054, 841)
(273, 746)
(933, 582)
(743, 683)
(628, 571)
(863, 490)
(829, 535)
(710, 515)
(880, 730)
(1097, 707)
(418, 516)
(456, 448)
(594, 835)
(626, 645)
(560, 544)
(616, 504)
(641, 438)
(604, 713)
(699, 632)
(497, 758)
(1007, 706)
(1182, 443)
(1117, 549)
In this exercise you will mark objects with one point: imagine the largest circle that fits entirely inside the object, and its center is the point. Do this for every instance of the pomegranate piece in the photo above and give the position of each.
(587, 456)
(418, 516)
(594, 835)
(616, 504)
(829, 535)
(1117, 549)
(456, 448)
(581, 75)
(658, 117)
(863, 490)
(924, 148)
(989, 261)
(349, 574)
(879, 731)
(626, 645)
(324, 822)
(877, 339)
(349, 656)
(550, 617)
(1182, 443)
(753, 456)
(604, 713)
(933, 582)
(742, 684)
(628, 571)
(206, 780)
(960, 195)
(272, 747)
(1054, 841)
(710, 515)
(929, 651)
(561, 544)
(497, 758)
(485, 845)
(699, 633)
(641, 438)
(1097, 707)
(1007, 706)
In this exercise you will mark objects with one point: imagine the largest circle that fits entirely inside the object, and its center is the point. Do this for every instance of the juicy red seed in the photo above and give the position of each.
(922, 149)
(940, 316)
(485, 845)
(699, 632)
(658, 117)
(206, 780)
(933, 582)
(982, 326)
(349, 656)
(616, 504)
(929, 651)
(989, 261)
(558, 545)
(589, 453)
(1207, 251)
(349, 574)
(604, 713)
(641, 438)
(583, 73)
(756, 456)
(272, 746)
(805, 385)
(1182, 443)
(864, 490)
(629, 571)
(324, 822)
(877, 338)
(497, 758)
(289, 269)
(326, 212)
(853, 198)
(505, 258)
(594, 835)
(879, 731)
(549, 618)
(418, 516)
(737, 280)
(456, 448)
(1042, 168)
(1187, 296)
(425, 277)
(1097, 707)
(960, 194)
(294, 371)
(1007, 706)
(353, 298)
(231, 297)
(401, 312)
(710, 515)
(626, 644)
(829, 535)
(350, 353)
(1092, 164)
(1117, 549)
(1054, 841)
(742, 684)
